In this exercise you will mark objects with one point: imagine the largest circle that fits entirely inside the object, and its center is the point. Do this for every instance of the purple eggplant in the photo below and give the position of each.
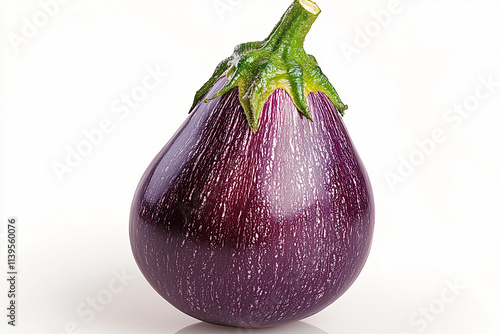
(258, 211)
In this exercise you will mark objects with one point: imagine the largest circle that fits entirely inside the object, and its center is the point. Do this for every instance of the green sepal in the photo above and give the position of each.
(279, 61)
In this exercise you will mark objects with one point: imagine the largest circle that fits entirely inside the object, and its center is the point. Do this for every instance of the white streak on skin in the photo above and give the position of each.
(254, 229)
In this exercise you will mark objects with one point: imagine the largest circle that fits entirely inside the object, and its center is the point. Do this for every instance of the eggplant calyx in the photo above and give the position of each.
(279, 61)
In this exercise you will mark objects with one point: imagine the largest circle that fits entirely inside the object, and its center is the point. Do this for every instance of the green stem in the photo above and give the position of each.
(279, 61)
(291, 30)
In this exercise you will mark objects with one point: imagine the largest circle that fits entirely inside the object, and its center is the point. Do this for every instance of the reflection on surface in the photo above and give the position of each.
(298, 327)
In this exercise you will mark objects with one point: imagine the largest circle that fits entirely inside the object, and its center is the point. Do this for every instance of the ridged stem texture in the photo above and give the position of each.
(279, 61)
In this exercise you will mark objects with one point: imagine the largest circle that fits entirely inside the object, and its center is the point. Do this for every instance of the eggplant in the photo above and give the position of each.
(258, 211)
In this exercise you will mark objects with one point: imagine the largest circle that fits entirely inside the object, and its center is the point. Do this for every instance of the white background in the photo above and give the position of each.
(434, 264)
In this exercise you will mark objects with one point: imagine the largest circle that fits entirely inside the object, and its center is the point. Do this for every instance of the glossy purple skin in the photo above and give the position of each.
(254, 229)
